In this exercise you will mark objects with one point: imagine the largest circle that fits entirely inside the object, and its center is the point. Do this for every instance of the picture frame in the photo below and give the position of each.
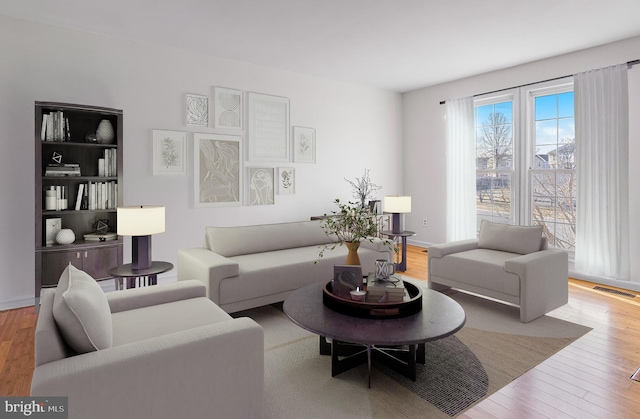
(304, 144)
(286, 181)
(197, 110)
(228, 108)
(260, 186)
(52, 227)
(268, 136)
(169, 152)
(346, 278)
(218, 170)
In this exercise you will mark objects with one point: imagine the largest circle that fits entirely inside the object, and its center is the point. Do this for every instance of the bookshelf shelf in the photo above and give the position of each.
(60, 148)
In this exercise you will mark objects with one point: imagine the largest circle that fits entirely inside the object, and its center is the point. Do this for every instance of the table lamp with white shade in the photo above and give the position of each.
(396, 205)
(140, 222)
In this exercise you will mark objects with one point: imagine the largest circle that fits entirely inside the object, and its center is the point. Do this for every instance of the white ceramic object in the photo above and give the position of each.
(65, 236)
(358, 295)
(104, 133)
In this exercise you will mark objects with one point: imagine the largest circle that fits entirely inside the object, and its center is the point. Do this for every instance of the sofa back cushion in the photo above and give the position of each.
(510, 238)
(243, 240)
(82, 312)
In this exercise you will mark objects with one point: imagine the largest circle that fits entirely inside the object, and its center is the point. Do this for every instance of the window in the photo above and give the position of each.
(494, 162)
(525, 160)
(553, 172)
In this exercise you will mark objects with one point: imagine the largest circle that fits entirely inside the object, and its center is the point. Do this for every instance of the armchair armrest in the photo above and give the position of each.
(544, 281)
(215, 368)
(444, 249)
(149, 296)
(207, 267)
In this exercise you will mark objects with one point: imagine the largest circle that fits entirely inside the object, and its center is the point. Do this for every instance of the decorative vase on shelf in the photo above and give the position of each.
(352, 256)
(104, 133)
(65, 236)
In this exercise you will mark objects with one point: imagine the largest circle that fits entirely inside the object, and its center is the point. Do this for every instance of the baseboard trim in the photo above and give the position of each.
(17, 303)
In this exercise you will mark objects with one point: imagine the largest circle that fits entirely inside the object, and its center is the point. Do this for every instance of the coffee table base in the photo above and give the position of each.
(345, 356)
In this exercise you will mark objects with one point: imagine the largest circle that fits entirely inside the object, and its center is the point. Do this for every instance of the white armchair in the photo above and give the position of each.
(164, 351)
(508, 263)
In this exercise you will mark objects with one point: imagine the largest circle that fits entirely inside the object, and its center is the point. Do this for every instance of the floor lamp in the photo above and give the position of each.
(140, 222)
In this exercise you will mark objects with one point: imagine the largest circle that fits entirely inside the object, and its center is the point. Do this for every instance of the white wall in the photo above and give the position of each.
(357, 127)
(425, 133)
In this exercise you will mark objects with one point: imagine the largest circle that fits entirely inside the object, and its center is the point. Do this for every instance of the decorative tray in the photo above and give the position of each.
(370, 310)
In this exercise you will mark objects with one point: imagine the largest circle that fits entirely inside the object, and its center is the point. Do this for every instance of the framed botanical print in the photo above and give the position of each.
(304, 145)
(169, 152)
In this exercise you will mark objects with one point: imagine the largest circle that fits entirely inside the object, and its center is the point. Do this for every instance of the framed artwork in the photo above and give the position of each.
(286, 181)
(227, 108)
(304, 145)
(260, 186)
(169, 152)
(51, 228)
(217, 170)
(346, 278)
(268, 128)
(197, 110)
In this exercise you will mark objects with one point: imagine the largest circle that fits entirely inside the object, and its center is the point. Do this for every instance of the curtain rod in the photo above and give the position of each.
(629, 65)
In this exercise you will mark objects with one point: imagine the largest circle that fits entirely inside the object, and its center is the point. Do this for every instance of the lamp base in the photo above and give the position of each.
(396, 224)
(140, 252)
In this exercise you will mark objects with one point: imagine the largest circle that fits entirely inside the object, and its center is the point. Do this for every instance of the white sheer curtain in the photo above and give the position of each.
(461, 170)
(602, 148)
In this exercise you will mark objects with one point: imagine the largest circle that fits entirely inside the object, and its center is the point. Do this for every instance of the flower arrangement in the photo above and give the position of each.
(352, 223)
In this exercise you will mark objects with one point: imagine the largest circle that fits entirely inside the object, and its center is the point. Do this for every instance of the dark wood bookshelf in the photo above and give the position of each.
(71, 147)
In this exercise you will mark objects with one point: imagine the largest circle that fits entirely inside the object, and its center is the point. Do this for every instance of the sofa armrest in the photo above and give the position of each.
(544, 281)
(443, 249)
(207, 267)
(150, 296)
(192, 373)
(379, 245)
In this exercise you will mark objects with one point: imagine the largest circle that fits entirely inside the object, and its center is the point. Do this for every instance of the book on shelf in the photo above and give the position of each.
(79, 196)
(102, 195)
(55, 127)
(62, 169)
(108, 164)
(100, 237)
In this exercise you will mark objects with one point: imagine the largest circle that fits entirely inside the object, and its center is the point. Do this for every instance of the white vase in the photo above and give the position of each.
(104, 133)
(65, 236)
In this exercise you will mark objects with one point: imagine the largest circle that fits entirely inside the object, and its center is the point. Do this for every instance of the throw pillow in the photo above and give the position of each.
(82, 312)
(510, 238)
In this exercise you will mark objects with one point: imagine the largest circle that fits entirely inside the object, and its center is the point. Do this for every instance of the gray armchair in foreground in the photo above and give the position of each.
(164, 351)
(506, 262)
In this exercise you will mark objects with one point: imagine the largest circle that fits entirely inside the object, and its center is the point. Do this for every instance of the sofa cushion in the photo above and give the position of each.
(81, 312)
(510, 238)
(243, 240)
(162, 319)
(482, 268)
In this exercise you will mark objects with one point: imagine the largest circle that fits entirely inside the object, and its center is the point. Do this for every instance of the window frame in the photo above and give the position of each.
(523, 101)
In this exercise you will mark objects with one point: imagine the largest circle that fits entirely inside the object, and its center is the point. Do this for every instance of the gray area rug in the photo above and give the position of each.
(488, 353)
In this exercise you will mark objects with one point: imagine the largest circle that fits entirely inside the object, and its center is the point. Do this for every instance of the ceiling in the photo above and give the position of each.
(399, 45)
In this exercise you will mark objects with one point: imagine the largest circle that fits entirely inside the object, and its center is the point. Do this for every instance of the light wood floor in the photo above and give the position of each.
(588, 379)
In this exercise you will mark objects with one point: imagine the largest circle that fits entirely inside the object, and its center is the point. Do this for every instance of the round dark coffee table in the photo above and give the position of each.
(358, 340)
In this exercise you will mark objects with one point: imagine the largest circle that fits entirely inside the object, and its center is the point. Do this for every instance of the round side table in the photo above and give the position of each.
(148, 276)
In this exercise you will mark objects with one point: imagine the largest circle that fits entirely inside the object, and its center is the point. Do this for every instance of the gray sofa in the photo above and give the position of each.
(508, 263)
(250, 266)
(156, 352)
